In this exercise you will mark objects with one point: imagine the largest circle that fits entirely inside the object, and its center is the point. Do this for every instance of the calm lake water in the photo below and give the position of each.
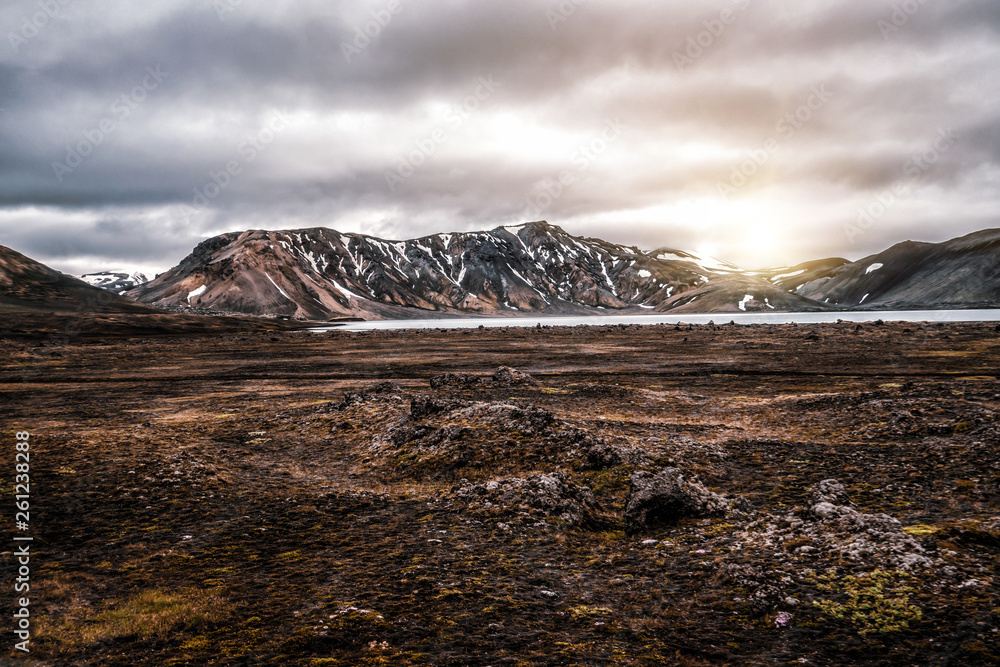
(666, 318)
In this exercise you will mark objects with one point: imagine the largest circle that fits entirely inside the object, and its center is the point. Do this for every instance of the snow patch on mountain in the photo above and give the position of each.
(114, 281)
(783, 276)
(276, 286)
(196, 293)
(346, 292)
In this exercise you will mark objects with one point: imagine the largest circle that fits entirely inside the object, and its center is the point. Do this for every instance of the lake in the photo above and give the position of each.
(667, 318)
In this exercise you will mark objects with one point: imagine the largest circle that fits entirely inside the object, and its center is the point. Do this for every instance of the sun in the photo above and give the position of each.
(760, 246)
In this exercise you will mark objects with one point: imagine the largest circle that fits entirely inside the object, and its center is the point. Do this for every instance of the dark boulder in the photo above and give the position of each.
(601, 455)
(552, 495)
(510, 377)
(666, 498)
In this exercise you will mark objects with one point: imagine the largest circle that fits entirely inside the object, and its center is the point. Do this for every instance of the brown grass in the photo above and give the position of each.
(148, 614)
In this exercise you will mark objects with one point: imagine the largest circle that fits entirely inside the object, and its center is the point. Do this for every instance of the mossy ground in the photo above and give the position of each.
(196, 502)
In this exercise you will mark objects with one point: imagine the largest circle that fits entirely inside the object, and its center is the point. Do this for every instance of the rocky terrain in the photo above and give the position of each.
(665, 495)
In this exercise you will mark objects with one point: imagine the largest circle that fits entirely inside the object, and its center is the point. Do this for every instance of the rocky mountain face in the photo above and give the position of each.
(27, 285)
(114, 281)
(539, 268)
(322, 273)
(960, 273)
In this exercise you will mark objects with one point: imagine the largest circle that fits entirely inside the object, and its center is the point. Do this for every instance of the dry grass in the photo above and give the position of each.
(146, 615)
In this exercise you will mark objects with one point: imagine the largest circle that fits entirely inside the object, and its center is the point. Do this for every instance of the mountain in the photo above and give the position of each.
(113, 281)
(536, 267)
(27, 285)
(750, 294)
(321, 273)
(961, 273)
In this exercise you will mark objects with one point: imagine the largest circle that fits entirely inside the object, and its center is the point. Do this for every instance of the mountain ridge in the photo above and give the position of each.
(959, 273)
(539, 268)
(533, 268)
(319, 272)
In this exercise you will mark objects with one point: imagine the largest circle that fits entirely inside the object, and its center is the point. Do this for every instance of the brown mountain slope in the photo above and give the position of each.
(30, 286)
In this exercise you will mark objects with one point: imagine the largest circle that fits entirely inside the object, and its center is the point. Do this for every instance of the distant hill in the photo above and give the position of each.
(539, 268)
(113, 281)
(27, 285)
(740, 293)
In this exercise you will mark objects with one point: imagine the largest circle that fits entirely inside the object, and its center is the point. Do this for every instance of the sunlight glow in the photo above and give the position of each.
(760, 242)
(749, 232)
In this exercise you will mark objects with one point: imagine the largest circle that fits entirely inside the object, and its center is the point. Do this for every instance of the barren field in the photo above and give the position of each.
(578, 496)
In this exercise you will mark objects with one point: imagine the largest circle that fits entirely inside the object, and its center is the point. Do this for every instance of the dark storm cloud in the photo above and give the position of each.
(113, 236)
(699, 89)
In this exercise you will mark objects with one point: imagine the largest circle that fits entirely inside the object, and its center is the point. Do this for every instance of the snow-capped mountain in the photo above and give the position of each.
(531, 268)
(113, 281)
(539, 268)
(321, 273)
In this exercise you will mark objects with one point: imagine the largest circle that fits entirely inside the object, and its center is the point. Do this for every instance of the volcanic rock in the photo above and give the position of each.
(666, 498)
(550, 495)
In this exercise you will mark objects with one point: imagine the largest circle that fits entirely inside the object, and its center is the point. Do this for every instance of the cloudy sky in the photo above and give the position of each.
(764, 132)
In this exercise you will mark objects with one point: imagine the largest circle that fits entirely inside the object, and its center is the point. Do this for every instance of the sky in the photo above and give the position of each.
(762, 132)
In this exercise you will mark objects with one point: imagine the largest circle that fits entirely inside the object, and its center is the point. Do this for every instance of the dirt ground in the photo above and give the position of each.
(293, 498)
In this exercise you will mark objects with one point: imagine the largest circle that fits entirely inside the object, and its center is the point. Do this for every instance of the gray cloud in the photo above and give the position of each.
(698, 93)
